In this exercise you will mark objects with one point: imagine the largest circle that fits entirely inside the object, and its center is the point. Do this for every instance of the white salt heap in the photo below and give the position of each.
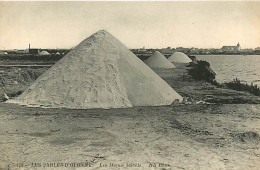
(179, 57)
(44, 53)
(99, 73)
(157, 60)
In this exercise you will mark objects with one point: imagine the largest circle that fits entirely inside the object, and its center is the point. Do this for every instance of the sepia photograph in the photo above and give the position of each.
(164, 85)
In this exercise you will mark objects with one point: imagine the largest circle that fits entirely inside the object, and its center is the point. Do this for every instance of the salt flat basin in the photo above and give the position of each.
(25, 65)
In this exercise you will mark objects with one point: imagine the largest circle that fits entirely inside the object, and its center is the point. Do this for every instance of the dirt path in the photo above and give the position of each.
(182, 137)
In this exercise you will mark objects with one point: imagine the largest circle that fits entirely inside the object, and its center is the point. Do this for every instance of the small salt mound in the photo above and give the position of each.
(44, 53)
(179, 57)
(157, 60)
(99, 73)
(3, 52)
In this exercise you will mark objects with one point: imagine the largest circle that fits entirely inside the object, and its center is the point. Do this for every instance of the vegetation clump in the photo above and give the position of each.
(202, 71)
(236, 84)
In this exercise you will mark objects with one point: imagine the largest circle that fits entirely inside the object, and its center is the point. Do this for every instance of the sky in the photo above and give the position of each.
(135, 24)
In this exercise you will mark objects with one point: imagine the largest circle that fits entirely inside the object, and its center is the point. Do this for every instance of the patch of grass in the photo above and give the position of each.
(215, 83)
(236, 84)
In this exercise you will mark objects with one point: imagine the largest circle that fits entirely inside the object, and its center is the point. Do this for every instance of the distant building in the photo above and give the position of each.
(20, 51)
(142, 50)
(231, 48)
(257, 48)
(248, 50)
(34, 51)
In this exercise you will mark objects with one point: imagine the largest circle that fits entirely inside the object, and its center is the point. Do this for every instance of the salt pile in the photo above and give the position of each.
(157, 60)
(44, 53)
(99, 73)
(3, 52)
(179, 57)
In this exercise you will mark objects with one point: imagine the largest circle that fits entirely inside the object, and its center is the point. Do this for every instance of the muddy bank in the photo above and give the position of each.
(14, 80)
(202, 91)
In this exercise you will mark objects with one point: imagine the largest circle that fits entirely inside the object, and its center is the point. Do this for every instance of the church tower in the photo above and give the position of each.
(238, 46)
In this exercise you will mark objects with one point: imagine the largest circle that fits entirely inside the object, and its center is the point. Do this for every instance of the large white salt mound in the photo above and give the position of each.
(157, 60)
(99, 73)
(179, 57)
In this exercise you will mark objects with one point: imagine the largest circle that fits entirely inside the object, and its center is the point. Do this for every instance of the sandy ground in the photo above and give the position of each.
(186, 136)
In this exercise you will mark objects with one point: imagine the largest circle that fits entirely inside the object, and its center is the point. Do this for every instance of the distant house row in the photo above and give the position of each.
(37, 51)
